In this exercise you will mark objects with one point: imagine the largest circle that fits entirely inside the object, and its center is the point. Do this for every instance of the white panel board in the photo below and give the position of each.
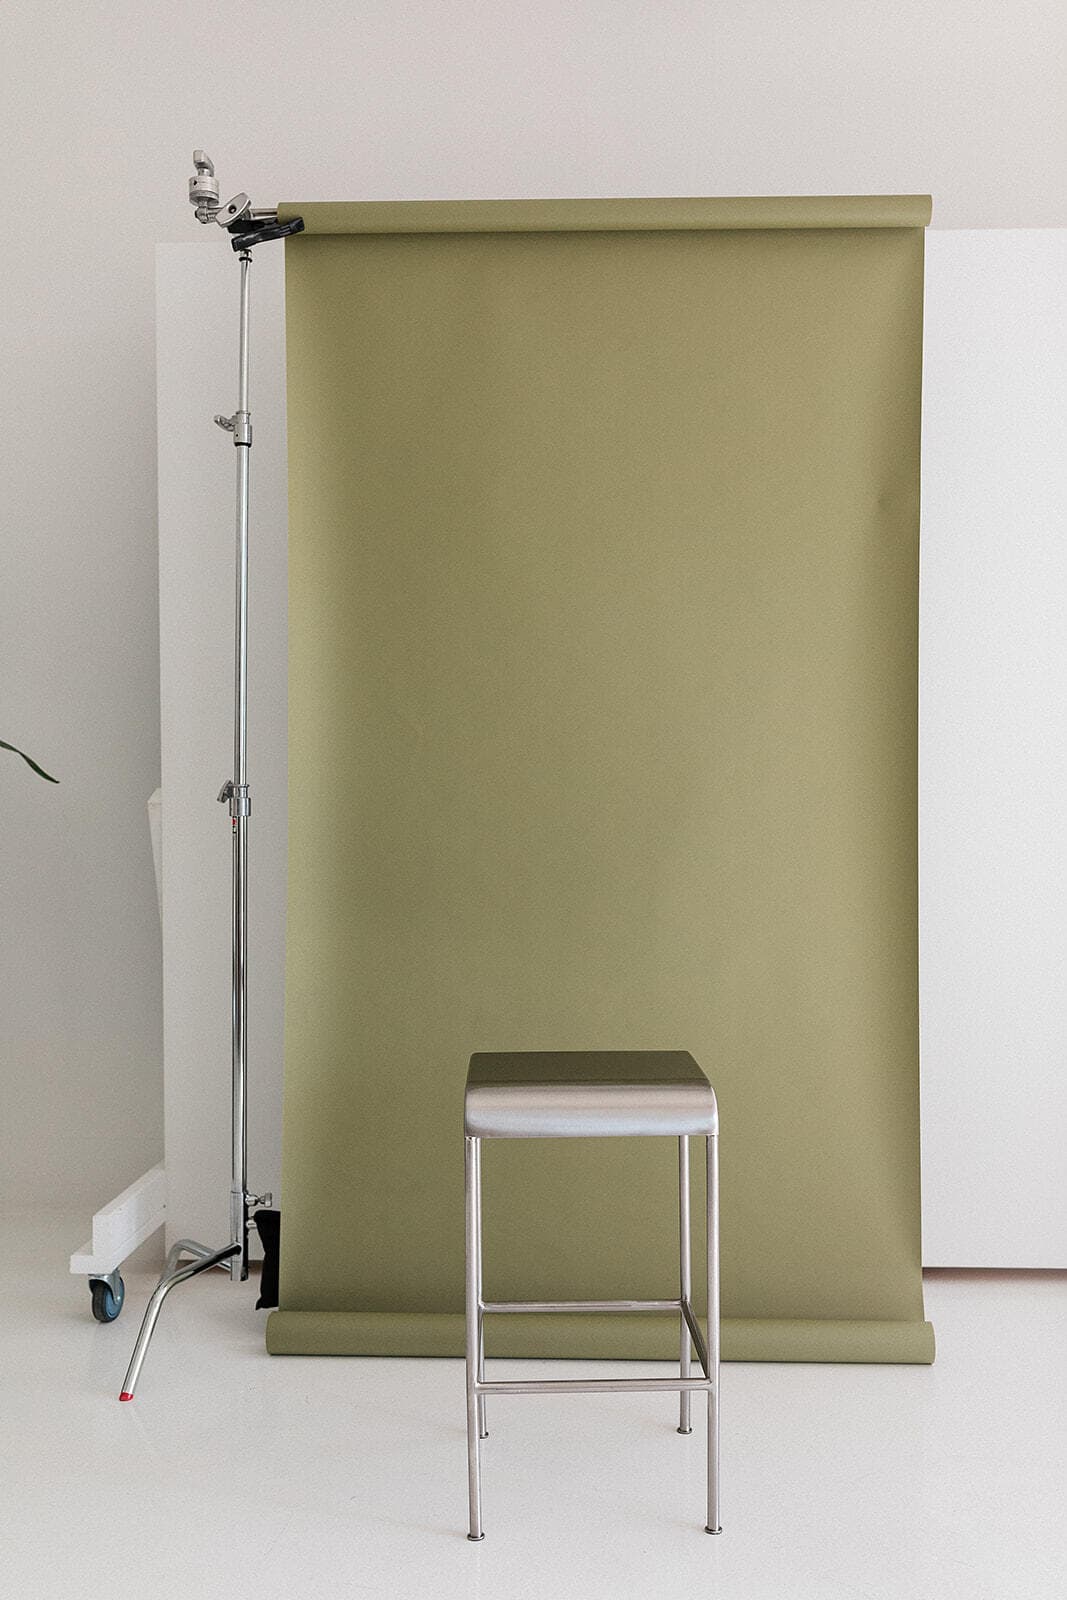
(993, 750)
(197, 308)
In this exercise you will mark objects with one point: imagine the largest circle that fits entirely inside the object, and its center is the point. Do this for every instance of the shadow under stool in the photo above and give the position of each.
(580, 1095)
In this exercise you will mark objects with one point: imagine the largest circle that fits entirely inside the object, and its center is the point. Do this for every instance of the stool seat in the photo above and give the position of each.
(572, 1094)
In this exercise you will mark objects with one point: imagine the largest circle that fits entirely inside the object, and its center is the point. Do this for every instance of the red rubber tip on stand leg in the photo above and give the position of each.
(125, 1395)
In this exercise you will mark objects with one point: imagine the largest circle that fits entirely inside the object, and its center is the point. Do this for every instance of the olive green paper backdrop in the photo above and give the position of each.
(602, 723)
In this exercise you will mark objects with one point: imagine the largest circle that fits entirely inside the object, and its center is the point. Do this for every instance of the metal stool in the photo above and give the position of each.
(593, 1094)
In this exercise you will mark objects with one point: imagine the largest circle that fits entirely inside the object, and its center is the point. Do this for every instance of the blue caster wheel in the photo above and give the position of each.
(108, 1295)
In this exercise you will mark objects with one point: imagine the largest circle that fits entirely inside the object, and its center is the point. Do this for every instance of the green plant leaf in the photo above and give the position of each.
(28, 760)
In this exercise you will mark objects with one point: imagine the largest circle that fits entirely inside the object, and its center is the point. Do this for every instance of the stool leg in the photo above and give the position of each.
(472, 1177)
(712, 1524)
(685, 1289)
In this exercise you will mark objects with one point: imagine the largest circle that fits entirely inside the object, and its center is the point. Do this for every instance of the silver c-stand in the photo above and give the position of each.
(187, 1259)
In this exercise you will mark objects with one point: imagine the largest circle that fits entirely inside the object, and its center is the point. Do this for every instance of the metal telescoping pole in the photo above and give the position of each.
(234, 1255)
(241, 809)
(246, 227)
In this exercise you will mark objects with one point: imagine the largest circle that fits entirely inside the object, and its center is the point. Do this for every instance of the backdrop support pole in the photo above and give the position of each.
(187, 1258)
(236, 790)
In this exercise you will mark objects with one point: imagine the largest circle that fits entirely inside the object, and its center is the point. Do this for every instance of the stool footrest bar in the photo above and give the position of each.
(592, 1385)
(495, 1306)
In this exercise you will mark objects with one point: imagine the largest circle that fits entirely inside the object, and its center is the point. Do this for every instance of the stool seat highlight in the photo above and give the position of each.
(593, 1094)
(571, 1094)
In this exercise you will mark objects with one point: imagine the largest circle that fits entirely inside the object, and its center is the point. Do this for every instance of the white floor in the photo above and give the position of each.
(235, 1475)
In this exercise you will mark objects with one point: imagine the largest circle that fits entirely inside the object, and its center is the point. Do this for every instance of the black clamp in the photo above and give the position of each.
(247, 231)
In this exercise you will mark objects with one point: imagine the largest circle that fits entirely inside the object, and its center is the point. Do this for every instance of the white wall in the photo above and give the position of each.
(100, 108)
